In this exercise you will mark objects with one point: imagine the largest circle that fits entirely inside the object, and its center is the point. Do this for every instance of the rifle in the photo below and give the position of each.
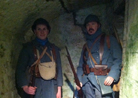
(80, 92)
(32, 78)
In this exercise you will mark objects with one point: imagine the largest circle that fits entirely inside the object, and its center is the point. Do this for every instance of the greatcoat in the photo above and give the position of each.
(45, 88)
(111, 57)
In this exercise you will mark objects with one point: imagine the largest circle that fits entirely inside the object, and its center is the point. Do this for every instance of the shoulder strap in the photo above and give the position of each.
(95, 41)
(85, 47)
(91, 55)
(42, 54)
(101, 49)
(51, 57)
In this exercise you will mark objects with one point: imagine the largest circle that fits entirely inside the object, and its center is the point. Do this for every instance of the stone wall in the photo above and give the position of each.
(129, 83)
(117, 3)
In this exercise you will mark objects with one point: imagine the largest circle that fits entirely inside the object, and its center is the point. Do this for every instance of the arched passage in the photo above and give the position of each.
(66, 18)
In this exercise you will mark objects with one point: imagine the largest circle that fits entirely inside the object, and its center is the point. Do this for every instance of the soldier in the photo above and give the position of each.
(48, 84)
(100, 61)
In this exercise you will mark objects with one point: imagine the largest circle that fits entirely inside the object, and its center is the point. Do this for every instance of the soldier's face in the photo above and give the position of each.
(92, 27)
(41, 31)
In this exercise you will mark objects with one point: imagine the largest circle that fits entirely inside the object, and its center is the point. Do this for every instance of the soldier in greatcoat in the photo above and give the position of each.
(112, 57)
(43, 88)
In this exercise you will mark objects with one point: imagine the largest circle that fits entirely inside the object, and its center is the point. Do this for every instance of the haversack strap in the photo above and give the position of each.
(42, 54)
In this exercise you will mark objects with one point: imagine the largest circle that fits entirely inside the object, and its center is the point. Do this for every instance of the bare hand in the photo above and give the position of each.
(108, 81)
(78, 88)
(58, 95)
(29, 89)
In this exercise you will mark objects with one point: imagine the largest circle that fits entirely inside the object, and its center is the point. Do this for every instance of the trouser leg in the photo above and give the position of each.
(88, 90)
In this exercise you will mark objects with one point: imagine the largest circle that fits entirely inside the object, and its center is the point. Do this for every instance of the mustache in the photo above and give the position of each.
(91, 29)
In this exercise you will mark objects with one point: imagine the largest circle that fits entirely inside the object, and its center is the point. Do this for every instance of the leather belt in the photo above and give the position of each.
(92, 70)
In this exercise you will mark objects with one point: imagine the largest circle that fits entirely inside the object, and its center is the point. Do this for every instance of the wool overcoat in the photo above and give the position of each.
(112, 57)
(45, 88)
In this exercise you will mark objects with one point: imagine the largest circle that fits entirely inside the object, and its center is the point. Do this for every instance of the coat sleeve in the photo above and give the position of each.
(117, 59)
(22, 63)
(59, 69)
